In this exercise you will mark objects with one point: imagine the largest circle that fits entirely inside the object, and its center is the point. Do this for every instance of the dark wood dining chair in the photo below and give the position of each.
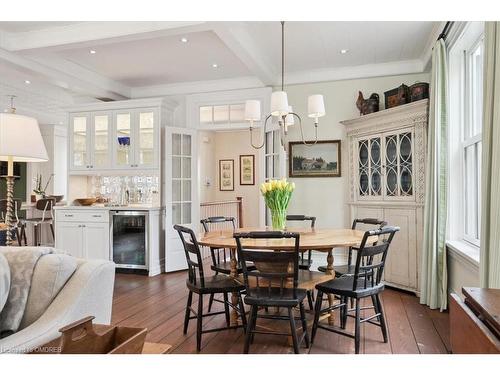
(304, 263)
(19, 225)
(365, 282)
(273, 283)
(348, 269)
(201, 285)
(221, 257)
(46, 208)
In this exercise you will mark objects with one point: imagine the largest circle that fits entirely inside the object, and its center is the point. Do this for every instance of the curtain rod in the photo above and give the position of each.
(445, 31)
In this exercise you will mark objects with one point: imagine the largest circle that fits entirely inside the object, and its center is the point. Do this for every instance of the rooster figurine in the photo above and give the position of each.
(369, 105)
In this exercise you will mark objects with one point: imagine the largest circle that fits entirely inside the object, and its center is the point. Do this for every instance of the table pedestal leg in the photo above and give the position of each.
(329, 271)
(234, 296)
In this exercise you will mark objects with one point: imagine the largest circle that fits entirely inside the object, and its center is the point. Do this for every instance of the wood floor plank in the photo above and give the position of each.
(158, 303)
(426, 335)
(401, 335)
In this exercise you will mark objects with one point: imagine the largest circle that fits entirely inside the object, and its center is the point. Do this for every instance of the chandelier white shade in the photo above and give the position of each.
(315, 106)
(289, 120)
(20, 139)
(252, 110)
(279, 103)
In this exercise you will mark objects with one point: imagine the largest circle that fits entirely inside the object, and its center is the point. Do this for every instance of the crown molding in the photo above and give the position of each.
(354, 72)
(95, 32)
(183, 88)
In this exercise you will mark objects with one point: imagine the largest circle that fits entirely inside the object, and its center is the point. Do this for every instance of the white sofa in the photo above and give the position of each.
(89, 291)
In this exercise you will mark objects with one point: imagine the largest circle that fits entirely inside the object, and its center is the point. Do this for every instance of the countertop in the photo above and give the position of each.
(97, 206)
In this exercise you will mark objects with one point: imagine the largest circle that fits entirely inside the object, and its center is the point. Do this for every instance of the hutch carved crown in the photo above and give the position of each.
(387, 152)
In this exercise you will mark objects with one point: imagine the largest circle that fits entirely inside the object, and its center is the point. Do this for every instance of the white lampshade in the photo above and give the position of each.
(289, 120)
(252, 110)
(279, 103)
(20, 139)
(315, 106)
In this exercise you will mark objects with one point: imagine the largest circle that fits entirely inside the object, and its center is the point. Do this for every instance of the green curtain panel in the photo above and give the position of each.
(434, 280)
(489, 264)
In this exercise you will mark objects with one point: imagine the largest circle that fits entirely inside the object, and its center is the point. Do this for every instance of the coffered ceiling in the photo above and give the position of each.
(120, 60)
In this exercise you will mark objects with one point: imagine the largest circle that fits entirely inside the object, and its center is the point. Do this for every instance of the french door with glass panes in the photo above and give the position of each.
(274, 167)
(181, 192)
(385, 166)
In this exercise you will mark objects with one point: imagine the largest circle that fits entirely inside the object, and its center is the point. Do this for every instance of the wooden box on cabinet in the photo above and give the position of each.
(386, 171)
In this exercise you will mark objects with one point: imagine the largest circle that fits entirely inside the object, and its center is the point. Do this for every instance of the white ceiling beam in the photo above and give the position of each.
(96, 88)
(356, 72)
(183, 88)
(93, 33)
(237, 38)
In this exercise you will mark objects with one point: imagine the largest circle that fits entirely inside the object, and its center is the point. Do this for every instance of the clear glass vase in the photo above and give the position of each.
(278, 219)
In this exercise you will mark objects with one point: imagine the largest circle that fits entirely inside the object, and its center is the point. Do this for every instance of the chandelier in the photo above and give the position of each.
(280, 109)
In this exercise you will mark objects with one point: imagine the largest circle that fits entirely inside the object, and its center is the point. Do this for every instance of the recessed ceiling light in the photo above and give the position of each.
(344, 51)
(215, 66)
(27, 82)
(184, 40)
(92, 51)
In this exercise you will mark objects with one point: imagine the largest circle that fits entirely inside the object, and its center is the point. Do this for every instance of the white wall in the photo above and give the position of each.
(326, 198)
(207, 165)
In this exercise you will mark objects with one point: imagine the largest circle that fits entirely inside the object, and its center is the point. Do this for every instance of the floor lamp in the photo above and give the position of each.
(21, 141)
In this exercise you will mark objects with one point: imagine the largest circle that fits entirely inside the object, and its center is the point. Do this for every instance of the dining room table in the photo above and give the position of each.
(316, 239)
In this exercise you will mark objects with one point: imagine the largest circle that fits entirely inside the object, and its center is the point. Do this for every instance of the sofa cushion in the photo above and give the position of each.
(4, 281)
(51, 273)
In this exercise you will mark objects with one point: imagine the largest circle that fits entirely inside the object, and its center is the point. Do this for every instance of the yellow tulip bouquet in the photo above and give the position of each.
(277, 194)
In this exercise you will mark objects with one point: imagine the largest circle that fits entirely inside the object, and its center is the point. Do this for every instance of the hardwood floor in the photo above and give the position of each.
(158, 303)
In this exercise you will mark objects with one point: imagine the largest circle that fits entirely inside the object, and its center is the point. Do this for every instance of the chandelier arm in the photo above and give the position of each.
(302, 131)
(264, 135)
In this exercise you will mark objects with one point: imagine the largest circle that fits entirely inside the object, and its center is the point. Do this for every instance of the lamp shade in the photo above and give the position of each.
(315, 106)
(20, 139)
(289, 120)
(252, 110)
(279, 103)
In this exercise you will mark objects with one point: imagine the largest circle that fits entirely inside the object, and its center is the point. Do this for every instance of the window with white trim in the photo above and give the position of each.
(222, 114)
(472, 140)
(465, 142)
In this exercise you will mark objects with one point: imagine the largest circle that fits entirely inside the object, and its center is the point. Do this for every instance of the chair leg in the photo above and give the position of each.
(357, 327)
(317, 312)
(210, 301)
(35, 235)
(199, 319)
(383, 325)
(188, 312)
(226, 310)
(250, 328)
(375, 306)
(23, 234)
(304, 323)
(242, 312)
(343, 312)
(52, 231)
(310, 300)
(294, 331)
(252, 336)
(18, 236)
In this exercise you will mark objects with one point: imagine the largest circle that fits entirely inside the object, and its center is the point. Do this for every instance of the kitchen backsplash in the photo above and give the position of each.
(141, 189)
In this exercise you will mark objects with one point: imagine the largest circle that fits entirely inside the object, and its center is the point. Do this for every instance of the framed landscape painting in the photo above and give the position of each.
(319, 160)
(226, 175)
(247, 170)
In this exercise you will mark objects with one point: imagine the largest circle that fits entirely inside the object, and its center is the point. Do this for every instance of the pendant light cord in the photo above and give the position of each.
(282, 55)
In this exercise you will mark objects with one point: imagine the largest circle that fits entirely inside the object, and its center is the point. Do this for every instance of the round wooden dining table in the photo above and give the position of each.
(321, 240)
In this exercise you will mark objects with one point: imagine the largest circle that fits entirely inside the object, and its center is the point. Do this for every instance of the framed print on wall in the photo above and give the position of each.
(226, 175)
(247, 170)
(319, 160)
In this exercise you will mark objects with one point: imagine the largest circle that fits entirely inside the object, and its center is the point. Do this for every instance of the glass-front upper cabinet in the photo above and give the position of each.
(101, 126)
(146, 141)
(80, 141)
(123, 157)
(385, 166)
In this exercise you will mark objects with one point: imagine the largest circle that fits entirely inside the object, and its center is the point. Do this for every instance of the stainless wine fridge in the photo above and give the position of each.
(129, 239)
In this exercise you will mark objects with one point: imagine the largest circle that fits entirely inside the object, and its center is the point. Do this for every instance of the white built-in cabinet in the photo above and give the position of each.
(114, 140)
(83, 234)
(387, 152)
